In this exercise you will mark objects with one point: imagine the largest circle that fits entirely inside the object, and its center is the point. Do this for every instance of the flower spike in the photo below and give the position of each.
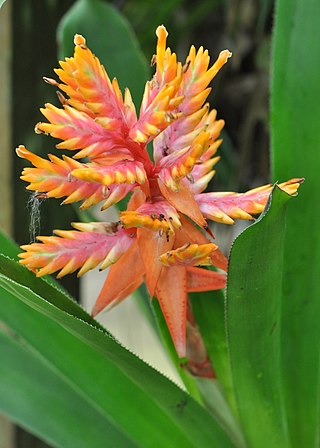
(162, 237)
(72, 250)
(88, 86)
(226, 207)
(54, 178)
(77, 129)
(179, 164)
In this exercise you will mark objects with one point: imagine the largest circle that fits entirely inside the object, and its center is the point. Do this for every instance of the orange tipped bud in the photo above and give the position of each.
(79, 40)
(189, 255)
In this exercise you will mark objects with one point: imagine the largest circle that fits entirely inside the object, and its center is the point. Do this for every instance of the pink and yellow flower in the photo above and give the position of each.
(162, 237)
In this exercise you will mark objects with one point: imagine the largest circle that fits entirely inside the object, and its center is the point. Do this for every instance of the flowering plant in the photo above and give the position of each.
(163, 235)
(243, 332)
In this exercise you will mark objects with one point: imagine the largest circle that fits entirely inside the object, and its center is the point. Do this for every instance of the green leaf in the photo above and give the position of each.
(30, 389)
(2, 2)
(295, 114)
(253, 319)
(110, 37)
(208, 392)
(218, 395)
(188, 380)
(107, 377)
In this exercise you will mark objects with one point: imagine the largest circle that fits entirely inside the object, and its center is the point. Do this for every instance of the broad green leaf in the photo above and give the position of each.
(253, 320)
(30, 390)
(295, 114)
(208, 309)
(208, 392)
(111, 38)
(215, 401)
(108, 377)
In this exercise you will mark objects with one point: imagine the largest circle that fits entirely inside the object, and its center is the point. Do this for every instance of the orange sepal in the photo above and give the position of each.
(152, 245)
(137, 199)
(183, 200)
(124, 277)
(190, 233)
(171, 293)
(200, 280)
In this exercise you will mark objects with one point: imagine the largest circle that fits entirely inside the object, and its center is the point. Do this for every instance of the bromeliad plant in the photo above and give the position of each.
(162, 237)
(260, 341)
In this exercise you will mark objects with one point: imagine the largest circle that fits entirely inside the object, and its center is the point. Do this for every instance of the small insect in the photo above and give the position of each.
(165, 150)
(111, 228)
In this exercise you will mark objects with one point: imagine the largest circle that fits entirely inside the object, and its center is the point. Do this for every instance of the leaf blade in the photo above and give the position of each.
(35, 385)
(295, 116)
(30, 316)
(253, 319)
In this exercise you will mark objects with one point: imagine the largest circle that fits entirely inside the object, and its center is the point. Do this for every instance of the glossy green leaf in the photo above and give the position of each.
(188, 380)
(295, 118)
(109, 378)
(111, 38)
(253, 319)
(30, 390)
(208, 392)
(218, 395)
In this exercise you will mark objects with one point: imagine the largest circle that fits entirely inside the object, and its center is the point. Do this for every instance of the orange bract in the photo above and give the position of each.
(163, 234)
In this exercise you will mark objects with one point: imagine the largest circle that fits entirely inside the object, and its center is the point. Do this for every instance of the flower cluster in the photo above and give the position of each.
(162, 237)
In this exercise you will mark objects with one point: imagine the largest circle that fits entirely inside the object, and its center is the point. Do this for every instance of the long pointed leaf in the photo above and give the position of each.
(30, 390)
(253, 321)
(111, 379)
(206, 391)
(296, 152)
